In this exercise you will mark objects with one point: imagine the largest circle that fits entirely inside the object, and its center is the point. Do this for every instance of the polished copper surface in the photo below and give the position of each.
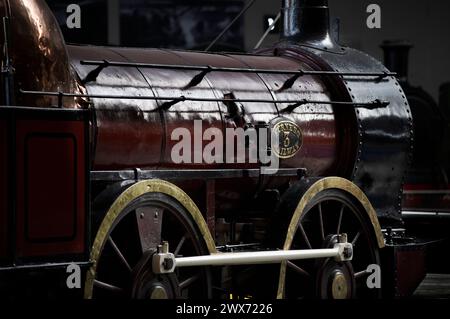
(38, 52)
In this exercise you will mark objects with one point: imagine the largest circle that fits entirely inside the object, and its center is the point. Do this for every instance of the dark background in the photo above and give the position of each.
(192, 24)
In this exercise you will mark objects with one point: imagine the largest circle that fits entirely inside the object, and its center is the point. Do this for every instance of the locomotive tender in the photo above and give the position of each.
(86, 174)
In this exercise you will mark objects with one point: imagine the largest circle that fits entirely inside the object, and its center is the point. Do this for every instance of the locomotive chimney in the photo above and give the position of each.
(307, 22)
(396, 57)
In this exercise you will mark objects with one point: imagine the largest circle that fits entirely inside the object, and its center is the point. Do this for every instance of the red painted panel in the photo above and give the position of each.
(3, 189)
(48, 213)
(50, 187)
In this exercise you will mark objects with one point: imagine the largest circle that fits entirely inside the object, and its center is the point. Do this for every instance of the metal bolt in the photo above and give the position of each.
(342, 238)
(165, 247)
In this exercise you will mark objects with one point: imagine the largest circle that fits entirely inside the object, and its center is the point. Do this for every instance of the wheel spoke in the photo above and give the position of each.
(340, 220)
(313, 277)
(179, 246)
(132, 240)
(149, 224)
(119, 253)
(186, 283)
(322, 229)
(298, 269)
(305, 237)
(356, 238)
(361, 274)
(106, 286)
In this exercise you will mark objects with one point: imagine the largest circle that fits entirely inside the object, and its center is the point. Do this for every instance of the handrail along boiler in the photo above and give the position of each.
(86, 174)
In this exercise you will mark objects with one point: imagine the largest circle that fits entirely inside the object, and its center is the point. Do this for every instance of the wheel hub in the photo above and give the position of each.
(335, 280)
(158, 292)
(147, 285)
(339, 287)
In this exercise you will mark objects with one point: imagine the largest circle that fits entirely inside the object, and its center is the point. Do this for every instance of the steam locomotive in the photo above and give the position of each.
(87, 177)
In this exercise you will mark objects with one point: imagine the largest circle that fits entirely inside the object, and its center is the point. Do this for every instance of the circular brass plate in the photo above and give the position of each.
(290, 139)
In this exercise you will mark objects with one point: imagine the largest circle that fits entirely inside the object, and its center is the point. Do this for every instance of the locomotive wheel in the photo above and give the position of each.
(124, 264)
(328, 215)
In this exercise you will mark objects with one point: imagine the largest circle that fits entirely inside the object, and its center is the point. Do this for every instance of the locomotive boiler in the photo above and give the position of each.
(88, 177)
